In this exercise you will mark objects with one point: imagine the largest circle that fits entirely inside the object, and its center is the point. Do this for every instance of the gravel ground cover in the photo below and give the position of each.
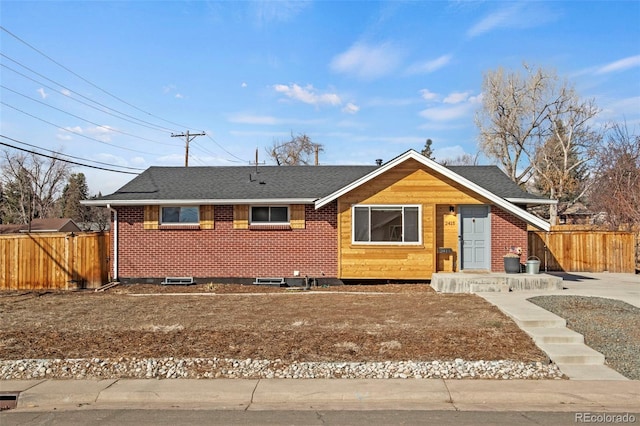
(611, 327)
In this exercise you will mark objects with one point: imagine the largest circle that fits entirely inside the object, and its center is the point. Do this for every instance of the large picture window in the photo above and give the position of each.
(176, 215)
(386, 224)
(269, 214)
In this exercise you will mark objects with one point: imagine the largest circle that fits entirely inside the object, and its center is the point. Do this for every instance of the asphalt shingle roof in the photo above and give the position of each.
(234, 183)
(277, 182)
(493, 179)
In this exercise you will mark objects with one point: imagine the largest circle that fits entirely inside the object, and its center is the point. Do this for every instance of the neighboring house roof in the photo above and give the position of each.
(43, 225)
(317, 185)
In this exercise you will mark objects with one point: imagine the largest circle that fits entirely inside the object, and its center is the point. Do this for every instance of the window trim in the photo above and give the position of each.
(269, 222)
(163, 223)
(386, 206)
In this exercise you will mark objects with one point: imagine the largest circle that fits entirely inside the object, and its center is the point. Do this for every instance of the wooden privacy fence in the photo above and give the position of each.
(583, 249)
(54, 260)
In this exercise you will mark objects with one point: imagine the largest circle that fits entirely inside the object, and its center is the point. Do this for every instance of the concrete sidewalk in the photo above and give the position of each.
(563, 346)
(329, 394)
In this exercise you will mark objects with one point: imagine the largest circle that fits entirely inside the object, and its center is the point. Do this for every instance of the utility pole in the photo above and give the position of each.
(188, 137)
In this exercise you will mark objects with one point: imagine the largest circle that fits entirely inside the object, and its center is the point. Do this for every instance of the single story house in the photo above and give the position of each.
(402, 220)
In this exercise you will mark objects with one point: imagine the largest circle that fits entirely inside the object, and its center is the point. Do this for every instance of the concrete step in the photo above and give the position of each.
(590, 372)
(539, 322)
(572, 353)
(554, 335)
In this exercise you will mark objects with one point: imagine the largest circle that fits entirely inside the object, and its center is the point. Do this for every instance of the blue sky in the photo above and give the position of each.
(366, 79)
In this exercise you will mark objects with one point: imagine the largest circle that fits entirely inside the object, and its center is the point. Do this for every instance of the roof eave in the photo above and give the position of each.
(531, 201)
(196, 202)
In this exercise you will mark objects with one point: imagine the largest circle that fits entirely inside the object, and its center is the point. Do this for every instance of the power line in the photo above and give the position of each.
(87, 81)
(75, 133)
(65, 161)
(83, 119)
(69, 155)
(147, 123)
(155, 126)
(222, 148)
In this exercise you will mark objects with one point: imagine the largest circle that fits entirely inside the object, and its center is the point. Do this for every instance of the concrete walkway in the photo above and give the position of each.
(563, 346)
(329, 394)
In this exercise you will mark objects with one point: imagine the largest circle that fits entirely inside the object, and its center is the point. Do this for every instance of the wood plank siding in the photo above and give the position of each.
(408, 183)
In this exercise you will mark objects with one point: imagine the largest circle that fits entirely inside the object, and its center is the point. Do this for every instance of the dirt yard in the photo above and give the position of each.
(347, 323)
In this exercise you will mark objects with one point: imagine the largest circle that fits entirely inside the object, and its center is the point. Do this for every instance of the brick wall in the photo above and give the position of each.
(228, 252)
(506, 231)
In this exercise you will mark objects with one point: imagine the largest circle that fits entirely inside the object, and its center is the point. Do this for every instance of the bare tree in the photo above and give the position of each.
(560, 163)
(511, 120)
(535, 125)
(300, 150)
(461, 160)
(33, 184)
(616, 188)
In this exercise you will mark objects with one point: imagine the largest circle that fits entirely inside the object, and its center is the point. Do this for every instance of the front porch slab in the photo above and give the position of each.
(462, 282)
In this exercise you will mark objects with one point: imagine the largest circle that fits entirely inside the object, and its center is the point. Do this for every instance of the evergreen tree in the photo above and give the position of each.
(74, 191)
(427, 151)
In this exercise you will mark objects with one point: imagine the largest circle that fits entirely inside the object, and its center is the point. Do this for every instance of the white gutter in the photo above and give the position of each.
(191, 202)
(115, 242)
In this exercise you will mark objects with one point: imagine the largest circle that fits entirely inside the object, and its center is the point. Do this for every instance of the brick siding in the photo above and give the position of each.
(227, 252)
(506, 231)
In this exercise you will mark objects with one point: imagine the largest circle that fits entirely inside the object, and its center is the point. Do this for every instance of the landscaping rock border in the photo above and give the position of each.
(202, 368)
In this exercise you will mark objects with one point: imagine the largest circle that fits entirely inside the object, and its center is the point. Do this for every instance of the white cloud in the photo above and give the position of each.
(456, 97)
(351, 108)
(448, 152)
(243, 85)
(454, 106)
(494, 20)
(307, 94)
(620, 65)
(515, 16)
(65, 92)
(445, 113)
(43, 94)
(626, 109)
(102, 133)
(428, 95)
(277, 11)
(430, 66)
(179, 96)
(171, 159)
(391, 102)
(253, 119)
(367, 61)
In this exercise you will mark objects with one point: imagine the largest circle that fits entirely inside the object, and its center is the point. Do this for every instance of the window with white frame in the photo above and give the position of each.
(269, 215)
(386, 224)
(180, 215)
